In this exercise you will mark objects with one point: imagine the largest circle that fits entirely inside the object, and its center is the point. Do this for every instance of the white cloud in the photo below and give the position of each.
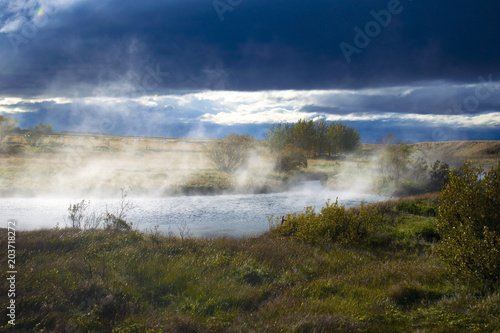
(262, 117)
(362, 117)
(264, 107)
(16, 104)
(13, 24)
(11, 100)
(491, 119)
(4, 109)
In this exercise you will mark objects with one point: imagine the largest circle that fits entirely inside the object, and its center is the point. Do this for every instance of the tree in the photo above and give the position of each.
(279, 136)
(321, 142)
(7, 125)
(333, 138)
(395, 158)
(34, 135)
(350, 139)
(304, 136)
(419, 170)
(230, 153)
(316, 138)
(439, 175)
(290, 159)
(469, 224)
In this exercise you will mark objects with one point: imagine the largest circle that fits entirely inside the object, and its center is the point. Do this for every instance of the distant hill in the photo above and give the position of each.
(484, 153)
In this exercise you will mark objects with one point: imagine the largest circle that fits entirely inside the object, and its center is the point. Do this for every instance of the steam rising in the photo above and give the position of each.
(99, 166)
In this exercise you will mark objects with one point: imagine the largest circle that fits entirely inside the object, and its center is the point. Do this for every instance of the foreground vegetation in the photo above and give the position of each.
(389, 280)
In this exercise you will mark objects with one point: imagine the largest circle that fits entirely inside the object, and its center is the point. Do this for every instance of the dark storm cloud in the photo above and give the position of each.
(373, 132)
(259, 45)
(438, 99)
(402, 66)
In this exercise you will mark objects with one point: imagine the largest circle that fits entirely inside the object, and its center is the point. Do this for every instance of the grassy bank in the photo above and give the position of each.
(103, 281)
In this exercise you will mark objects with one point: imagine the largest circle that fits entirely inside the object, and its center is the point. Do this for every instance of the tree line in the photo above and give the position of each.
(291, 143)
(316, 138)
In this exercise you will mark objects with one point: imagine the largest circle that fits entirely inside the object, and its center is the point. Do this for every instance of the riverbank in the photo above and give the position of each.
(105, 280)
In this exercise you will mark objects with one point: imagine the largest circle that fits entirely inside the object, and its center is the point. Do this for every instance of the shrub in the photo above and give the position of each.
(416, 208)
(35, 135)
(79, 218)
(231, 153)
(334, 224)
(116, 223)
(439, 175)
(7, 126)
(427, 231)
(76, 214)
(469, 224)
(407, 188)
(291, 159)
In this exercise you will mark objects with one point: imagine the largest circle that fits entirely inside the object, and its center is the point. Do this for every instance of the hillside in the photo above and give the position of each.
(484, 153)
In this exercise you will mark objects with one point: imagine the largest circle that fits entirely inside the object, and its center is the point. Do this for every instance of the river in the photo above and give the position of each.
(201, 216)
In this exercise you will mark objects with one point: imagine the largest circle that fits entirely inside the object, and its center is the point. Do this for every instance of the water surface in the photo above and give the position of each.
(204, 216)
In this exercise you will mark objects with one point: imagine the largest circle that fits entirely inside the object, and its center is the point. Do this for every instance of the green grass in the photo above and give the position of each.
(108, 281)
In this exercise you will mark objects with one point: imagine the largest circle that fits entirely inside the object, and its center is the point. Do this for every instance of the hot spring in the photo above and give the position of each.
(202, 216)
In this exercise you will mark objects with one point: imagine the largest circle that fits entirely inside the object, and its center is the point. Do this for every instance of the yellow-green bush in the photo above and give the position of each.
(469, 224)
(334, 224)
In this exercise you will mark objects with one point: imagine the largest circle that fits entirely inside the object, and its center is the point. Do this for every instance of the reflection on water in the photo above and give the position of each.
(234, 215)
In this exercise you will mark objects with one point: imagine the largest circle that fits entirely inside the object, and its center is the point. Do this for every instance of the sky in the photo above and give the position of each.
(424, 70)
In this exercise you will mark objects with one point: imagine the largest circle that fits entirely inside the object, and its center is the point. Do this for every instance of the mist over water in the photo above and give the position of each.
(205, 216)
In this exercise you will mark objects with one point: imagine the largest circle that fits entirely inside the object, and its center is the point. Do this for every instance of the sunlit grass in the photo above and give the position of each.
(102, 280)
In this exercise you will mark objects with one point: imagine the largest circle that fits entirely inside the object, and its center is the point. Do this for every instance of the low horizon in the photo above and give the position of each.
(374, 140)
